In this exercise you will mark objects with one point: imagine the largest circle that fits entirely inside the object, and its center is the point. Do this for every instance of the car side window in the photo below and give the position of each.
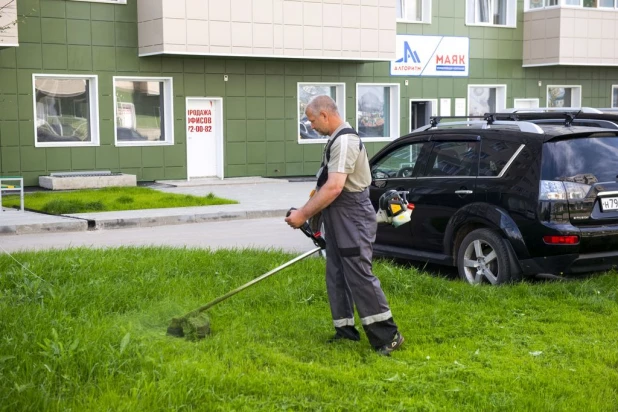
(453, 159)
(399, 163)
(495, 154)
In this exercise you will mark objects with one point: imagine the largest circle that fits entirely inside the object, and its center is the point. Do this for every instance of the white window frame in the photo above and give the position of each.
(425, 12)
(534, 101)
(168, 112)
(576, 94)
(104, 1)
(394, 132)
(563, 3)
(511, 14)
(544, 4)
(339, 99)
(93, 96)
(611, 97)
(500, 95)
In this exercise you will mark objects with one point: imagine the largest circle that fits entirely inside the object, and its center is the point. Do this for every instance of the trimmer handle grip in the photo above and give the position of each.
(317, 239)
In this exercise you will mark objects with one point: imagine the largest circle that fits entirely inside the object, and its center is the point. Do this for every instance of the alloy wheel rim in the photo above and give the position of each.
(480, 262)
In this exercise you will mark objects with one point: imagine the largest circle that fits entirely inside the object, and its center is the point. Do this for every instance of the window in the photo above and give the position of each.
(143, 111)
(413, 11)
(525, 103)
(105, 1)
(537, 4)
(453, 159)
(398, 163)
(491, 12)
(495, 155)
(564, 96)
(485, 99)
(305, 92)
(377, 111)
(66, 110)
(614, 95)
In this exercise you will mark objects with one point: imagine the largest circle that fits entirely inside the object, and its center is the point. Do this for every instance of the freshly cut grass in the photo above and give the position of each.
(85, 330)
(109, 199)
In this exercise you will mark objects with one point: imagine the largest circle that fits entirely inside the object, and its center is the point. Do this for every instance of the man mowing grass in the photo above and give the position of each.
(350, 223)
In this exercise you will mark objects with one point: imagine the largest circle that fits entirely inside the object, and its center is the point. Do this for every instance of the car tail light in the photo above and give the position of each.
(576, 190)
(561, 240)
(558, 190)
(552, 190)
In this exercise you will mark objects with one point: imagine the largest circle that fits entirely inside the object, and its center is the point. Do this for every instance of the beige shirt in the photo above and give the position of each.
(346, 157)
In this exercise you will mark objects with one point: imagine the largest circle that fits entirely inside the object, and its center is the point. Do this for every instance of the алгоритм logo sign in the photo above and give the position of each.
(431, 56)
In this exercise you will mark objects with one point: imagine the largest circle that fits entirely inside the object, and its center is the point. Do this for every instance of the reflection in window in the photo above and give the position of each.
(63, 109)
(412, 10)
(493, 12)
(563, 96)
(453, 159)
(495, 154)
(377, 111)
(485, 99)
(142, 112)
(398, 163)
(306, 91)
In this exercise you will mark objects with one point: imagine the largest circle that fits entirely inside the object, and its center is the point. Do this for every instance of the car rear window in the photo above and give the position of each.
(584, 160)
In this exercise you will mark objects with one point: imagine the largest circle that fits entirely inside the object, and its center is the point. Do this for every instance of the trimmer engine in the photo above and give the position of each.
(394, 208)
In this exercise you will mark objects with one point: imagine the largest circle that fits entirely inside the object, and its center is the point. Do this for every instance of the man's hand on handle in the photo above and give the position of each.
(295, 218)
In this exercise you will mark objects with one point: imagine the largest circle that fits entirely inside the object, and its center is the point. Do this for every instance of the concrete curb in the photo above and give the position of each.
(31, 228)
(81, 223)
(149, 221)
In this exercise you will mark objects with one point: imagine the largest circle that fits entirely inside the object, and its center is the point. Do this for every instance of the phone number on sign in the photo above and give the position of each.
(200, 129)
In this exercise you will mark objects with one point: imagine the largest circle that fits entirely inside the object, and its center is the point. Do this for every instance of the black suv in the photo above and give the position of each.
(506, 195)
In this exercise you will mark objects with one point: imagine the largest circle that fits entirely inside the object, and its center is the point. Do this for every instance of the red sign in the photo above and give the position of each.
(199, 121)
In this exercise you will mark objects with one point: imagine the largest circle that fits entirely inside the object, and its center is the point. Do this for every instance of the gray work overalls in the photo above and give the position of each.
(350, 226)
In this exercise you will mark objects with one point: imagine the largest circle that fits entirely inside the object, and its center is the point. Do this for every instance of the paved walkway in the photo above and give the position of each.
(257, 197)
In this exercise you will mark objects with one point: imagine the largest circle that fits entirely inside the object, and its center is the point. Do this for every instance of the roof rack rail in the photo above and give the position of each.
(485, 122)
(569, 117)
(551, 109)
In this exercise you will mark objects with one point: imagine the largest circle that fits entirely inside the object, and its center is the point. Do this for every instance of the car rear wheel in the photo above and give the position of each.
(483, 257)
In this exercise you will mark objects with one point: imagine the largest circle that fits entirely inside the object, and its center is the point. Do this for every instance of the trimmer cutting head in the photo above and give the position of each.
(193, 328)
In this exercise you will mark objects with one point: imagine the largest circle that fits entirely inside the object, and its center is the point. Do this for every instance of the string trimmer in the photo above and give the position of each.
(196, 324)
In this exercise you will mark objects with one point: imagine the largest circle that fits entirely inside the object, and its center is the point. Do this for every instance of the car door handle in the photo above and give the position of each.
(464, 192)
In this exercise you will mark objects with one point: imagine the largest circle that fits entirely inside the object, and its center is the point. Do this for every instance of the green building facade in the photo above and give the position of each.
(259, 95)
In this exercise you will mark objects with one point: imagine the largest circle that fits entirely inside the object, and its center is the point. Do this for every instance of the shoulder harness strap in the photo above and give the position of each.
(347, 130)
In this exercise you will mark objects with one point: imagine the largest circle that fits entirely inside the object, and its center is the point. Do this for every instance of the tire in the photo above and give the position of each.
(483, 257)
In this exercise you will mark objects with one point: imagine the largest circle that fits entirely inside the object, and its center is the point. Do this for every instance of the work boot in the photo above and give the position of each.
(393, 345)
(346, 332)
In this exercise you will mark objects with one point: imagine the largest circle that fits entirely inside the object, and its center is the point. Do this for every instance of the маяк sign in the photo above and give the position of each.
(431, 56)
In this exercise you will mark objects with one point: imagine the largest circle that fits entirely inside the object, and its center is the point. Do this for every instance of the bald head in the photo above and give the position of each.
(323, 114)
(322, 103)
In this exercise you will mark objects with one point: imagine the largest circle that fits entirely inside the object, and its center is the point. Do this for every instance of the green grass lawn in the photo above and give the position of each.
(109, 199)
(84, 330)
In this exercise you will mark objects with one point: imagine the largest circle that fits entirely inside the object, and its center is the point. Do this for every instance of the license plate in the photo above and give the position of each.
(609, 203)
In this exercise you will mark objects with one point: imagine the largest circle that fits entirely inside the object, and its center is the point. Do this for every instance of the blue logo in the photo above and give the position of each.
(408, 53)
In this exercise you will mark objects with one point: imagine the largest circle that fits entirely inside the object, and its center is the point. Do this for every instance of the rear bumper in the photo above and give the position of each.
(570, 264)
